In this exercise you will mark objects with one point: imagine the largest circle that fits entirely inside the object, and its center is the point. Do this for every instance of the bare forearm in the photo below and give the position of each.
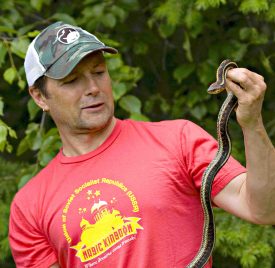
(251, 196)
(260, 183)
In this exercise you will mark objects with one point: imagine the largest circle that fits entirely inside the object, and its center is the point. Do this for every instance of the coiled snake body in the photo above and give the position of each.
(224, 150)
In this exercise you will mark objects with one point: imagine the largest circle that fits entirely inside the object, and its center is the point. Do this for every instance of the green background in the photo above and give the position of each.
(169, 52)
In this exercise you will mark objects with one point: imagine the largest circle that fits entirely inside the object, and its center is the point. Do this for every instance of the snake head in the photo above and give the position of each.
(219, 85)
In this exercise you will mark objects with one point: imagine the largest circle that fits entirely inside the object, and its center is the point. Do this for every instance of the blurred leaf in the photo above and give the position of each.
(118, 12)
(21, 84)
(238, 50)
(205, 73)
(1, 106)
(109, 20)
(33, 33)
(183, 71)
(187, 47)
(33, 109)
(32, 140)
(24, 180)
(194, 97)
(22, 147)
(139, 117)
(28, 30)
(205, 4)
(114, 63)
(3, 137)
(51, 144)
(130, 104)
(166, 30)
(3, 53)
(10, 75)
(194, 22)
(7, 29)
(119, 89)
(45, 158)
(253, 6)
(199, 111)
(270, 13)
(12, 133)
(140, 48)
(266, 63)
(252, 36)
(20, 46)
(5, 132)
(64, 17)
(37, 4)
(171, 10)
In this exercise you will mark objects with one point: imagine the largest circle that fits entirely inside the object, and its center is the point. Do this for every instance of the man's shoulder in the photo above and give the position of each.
(167, 132)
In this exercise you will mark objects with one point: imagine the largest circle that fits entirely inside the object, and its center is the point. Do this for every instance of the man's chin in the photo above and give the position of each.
(95, 125)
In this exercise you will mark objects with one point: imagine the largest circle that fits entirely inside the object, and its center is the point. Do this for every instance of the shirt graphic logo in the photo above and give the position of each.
(67, 35)
(103, 228)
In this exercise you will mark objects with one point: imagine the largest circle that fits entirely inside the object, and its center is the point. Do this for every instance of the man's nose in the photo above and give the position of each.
(91, 87)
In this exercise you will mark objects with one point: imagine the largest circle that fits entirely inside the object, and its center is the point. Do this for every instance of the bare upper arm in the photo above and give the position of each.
(233, 198)
(55, 265)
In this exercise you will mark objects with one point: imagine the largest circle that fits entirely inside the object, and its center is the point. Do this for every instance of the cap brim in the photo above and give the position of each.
(67, 62)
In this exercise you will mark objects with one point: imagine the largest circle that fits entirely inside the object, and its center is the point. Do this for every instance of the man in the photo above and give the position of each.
(122, 193)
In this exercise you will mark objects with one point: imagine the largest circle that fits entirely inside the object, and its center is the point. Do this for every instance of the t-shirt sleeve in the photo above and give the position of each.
(199, 149)
(29, 246)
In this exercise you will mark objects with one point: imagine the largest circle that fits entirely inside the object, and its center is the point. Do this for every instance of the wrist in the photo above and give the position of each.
(253, 125)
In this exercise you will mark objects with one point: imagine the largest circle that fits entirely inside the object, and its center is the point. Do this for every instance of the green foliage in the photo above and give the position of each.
(183, 71)
(254, 6)
(251, 245)
(5, 132)
(205, 4)
(10, 173)
(169, 52)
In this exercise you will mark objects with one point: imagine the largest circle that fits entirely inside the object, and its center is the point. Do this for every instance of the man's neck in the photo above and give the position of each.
(74, 145)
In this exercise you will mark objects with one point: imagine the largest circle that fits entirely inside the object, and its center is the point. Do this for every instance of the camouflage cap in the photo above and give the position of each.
(58, 49)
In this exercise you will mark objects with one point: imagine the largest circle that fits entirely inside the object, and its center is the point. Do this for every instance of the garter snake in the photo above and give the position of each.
(222, 155)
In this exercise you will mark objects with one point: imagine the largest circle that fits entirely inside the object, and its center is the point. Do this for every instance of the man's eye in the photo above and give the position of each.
(69, 81)
(100, 72)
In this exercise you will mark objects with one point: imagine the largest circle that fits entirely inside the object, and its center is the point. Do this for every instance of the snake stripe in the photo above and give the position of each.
(222, 155)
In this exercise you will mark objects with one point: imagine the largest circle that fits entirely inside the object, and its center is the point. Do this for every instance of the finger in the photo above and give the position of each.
(244, 93)
(235, 88)
(241, 74)
(250, 82)
(241, 77)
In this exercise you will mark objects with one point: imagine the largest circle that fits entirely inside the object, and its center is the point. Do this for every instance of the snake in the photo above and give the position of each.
(221, 157)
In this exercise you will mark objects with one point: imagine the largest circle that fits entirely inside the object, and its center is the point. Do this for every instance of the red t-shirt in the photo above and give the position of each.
(133, 202)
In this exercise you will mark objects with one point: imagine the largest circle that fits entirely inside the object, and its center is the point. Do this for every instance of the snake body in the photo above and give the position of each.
(222, 155)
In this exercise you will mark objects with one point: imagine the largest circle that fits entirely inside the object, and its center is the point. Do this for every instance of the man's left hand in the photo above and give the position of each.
(249, 88)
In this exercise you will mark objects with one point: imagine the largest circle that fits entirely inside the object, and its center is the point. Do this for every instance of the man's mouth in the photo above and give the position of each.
(93, 106)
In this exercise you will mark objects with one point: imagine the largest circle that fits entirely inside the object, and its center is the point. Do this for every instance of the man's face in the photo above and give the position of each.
(82, 102)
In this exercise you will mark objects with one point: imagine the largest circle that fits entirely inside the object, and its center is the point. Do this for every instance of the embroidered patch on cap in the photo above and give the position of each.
(67, 35)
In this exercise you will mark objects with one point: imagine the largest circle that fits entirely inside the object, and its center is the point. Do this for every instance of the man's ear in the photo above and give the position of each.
(39, 98)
